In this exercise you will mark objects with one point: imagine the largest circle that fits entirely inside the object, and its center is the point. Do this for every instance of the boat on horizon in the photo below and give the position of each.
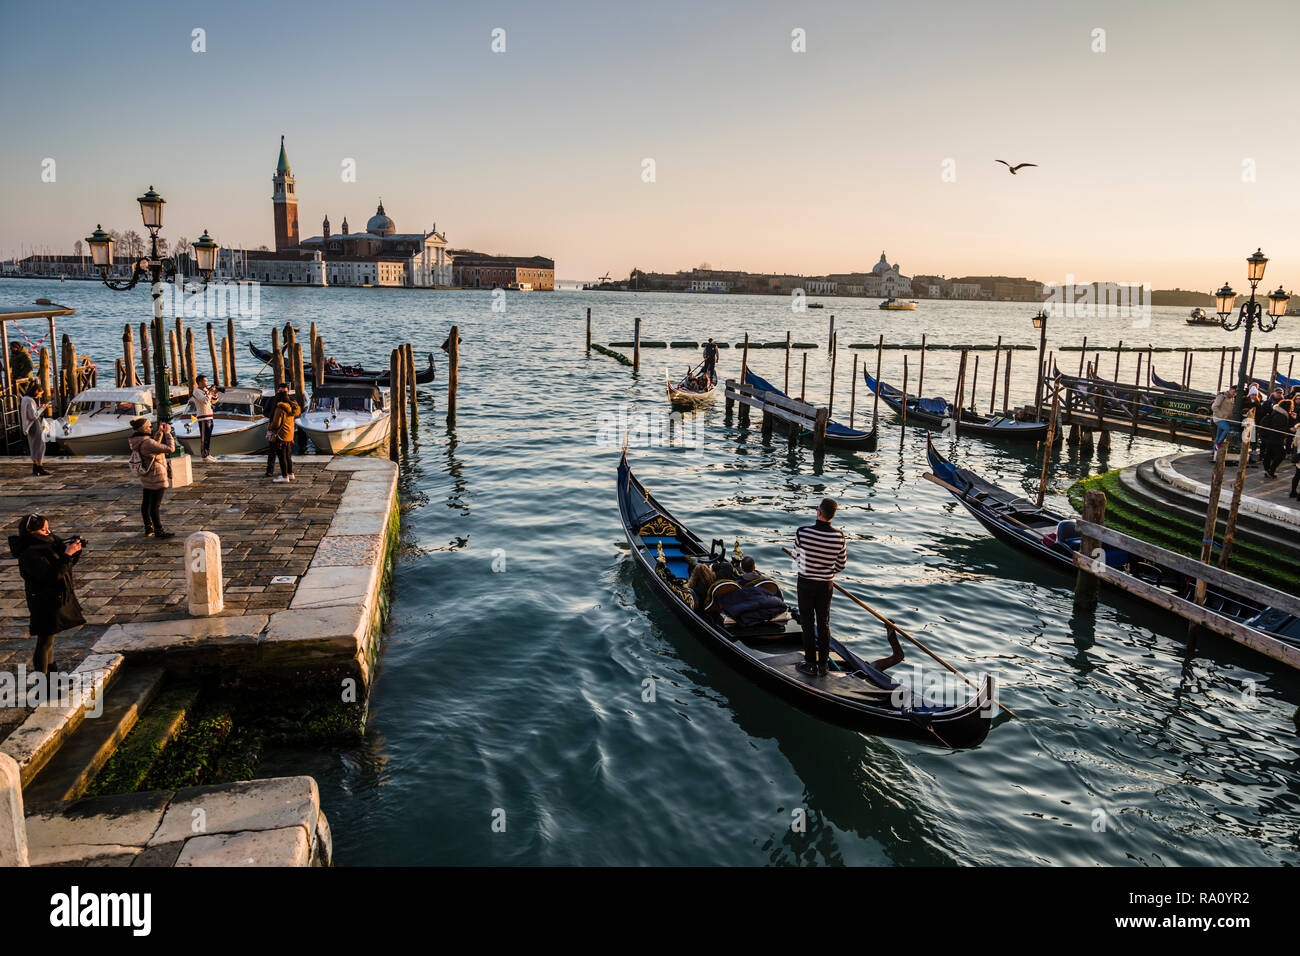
(1198, 317)
(902, 305)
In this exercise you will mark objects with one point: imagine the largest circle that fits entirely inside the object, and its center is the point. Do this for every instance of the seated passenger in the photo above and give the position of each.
(332, 365)
(748, 570)
(701, 579)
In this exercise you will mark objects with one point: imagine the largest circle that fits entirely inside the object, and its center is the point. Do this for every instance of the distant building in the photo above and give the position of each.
(477, 270)
(887, 281)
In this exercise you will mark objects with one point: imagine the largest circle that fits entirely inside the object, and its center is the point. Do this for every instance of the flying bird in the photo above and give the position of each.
(1014, 168)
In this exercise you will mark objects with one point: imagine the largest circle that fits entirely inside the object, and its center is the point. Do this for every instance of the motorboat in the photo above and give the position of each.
(98, 420)
(238, 424)
(898, 304)
(346, 419)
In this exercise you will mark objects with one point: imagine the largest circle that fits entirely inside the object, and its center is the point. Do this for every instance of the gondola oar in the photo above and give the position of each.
(898, 630)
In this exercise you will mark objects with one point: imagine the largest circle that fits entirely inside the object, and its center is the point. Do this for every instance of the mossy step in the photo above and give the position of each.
(140, 752)
(71, 770)
(1167, 531)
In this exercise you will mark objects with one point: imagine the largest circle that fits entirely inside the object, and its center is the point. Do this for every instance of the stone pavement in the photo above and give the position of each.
(132, 588)
(1262, 496)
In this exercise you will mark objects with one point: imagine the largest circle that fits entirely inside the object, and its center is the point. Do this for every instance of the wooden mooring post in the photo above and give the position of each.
(902, 432)
(1211, 514)
(128, 354)
(786, 387)
(189, 359)
(853, 391)
(413, 384)
(875, 402)
(212, 350)
(803, 379)
(1006, 384)
(453, 373)
(1087, 586)
(920, 378)
(997, 358)
(742, 415)
(277, 358)
(588, 328)
(394, 415)
(636, 345)
(1049, 444)
(1239, 483)
(146, 367)
(230, 337)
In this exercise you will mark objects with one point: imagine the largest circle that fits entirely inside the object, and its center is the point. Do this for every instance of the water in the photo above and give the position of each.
(521, 691)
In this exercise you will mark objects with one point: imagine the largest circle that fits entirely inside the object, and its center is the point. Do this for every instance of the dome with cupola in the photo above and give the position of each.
(380, 224)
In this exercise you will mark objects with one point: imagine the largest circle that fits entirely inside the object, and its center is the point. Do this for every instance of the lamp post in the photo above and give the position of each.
(156, 268)
(1040, 323)
(1251, 315)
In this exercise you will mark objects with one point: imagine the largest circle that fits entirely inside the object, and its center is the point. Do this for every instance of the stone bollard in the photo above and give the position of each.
(13, 827)
(203, 584)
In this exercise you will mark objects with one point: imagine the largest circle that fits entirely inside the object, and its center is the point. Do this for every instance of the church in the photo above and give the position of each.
(379, 256)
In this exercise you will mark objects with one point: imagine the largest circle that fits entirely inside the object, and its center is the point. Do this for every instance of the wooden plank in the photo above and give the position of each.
(1248, 636)
(1193, 568)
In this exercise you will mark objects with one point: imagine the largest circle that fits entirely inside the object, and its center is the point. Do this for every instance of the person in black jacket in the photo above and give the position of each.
(45, 562)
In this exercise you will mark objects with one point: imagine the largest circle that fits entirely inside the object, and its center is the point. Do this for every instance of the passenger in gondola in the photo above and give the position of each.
(748, 570)
(332, 365)
(702, 578)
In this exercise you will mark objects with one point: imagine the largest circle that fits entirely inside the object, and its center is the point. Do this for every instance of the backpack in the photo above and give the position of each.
(137, 465)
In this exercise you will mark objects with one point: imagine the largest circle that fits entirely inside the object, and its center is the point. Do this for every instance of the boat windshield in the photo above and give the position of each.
(107, 408)
(344, 403)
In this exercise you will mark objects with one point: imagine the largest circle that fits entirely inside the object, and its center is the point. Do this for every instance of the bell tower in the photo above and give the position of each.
(285, 202)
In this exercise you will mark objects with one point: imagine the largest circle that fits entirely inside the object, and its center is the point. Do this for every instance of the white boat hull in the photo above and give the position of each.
(78, 440)
(341, 436)
(229, 437)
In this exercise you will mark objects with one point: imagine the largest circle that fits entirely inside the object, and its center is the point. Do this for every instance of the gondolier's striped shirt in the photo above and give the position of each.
(822, 551)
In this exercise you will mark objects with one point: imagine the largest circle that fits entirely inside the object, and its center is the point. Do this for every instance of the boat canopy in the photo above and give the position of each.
(349, 391)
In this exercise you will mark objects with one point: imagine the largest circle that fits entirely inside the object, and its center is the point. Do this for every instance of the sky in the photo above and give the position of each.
(1167, 146)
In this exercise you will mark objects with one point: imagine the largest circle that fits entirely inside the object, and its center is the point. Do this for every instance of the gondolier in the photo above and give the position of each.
(710, 360)
(822, 553)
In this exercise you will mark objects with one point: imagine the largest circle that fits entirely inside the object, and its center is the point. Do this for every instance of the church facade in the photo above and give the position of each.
(379, 255)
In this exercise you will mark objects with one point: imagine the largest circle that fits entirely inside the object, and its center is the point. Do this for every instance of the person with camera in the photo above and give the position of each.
(202, 398)
(45, 562)
(149, 451)
(30, 411)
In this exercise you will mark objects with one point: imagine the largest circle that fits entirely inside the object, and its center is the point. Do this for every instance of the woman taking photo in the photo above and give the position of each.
(152, 471)
(45, 562)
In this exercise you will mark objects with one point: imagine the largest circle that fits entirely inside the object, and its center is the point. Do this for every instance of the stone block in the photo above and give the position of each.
(288, 846)
(335, 587)
(203, 581)
(282, 802)
(13, 829)
(314, 636)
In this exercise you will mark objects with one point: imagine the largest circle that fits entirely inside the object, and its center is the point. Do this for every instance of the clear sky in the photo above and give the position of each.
(765, 159)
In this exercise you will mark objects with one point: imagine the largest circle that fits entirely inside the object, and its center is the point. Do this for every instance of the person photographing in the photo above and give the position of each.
(202, 397)
(822, 552)
(45, 562)
(149, 451)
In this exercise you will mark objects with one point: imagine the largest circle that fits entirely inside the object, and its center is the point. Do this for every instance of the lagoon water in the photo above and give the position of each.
(521, 640)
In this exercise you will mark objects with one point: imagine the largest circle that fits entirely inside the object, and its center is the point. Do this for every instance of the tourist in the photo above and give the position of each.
(1275, 426)
(30, 411)
(822, 553)
(332, 365)
(701, 580)
(45, 563)
(20, 362)
(1221, 412)
(710, 360)
(279, 434)
(149, 451)
(203, 397)
(749, 570)
(1295, 459)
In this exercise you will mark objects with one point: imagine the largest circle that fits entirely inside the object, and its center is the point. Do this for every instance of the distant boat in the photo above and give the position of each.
(1198, 317)
(816, 305)
(898, 304)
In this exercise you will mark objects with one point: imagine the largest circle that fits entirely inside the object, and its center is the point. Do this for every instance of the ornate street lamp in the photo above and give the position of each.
(1250, 315)
(157, 269)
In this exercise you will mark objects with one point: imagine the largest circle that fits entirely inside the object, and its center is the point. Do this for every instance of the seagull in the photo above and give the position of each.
(1014, 168)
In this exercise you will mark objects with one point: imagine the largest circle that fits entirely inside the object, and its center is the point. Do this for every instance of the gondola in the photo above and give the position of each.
(1053, 539)
(1282, 382)
(837, 435)
(854, 694)
(352, 373)
(937, 412)
(682, 394)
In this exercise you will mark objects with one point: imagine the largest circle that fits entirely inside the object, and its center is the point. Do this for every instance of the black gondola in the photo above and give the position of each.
(352, 373)
(936, 412)
(1053, 539)
(854, 694)
(837, 435)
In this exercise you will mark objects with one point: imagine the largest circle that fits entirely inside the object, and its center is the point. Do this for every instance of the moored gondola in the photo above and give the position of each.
(837, 435)
(1053, 538)
(937, 413)
(353, 373)
(854, 694)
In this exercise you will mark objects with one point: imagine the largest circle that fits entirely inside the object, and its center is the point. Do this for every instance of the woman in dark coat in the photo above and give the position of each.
(45, 562)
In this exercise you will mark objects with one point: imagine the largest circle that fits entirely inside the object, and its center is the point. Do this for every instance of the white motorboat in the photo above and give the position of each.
(346, 419)
(98, 420)
(238, 424)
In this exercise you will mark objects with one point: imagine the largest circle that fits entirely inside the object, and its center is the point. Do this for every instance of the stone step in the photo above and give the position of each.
(70, 771)
(38, 738)
(145, 745)
(1149, 486)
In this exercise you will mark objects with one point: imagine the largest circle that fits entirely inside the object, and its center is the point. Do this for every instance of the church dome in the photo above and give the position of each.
(380, 224)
